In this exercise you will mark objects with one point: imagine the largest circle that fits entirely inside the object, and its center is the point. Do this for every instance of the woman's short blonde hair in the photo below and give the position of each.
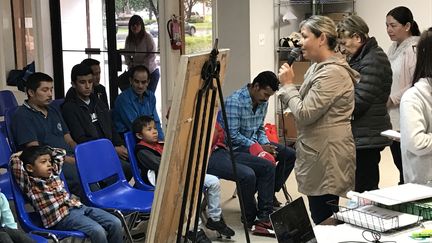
(318, 25)
(353, 25)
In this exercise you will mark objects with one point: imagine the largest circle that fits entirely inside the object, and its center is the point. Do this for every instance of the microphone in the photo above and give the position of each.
(295, 52)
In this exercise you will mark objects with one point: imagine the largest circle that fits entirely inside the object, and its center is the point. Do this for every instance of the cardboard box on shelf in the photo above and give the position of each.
(287, 127)
(337, 17)
(300, 69)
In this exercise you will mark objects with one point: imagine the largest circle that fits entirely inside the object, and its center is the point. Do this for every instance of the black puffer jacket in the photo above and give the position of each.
(370, 116)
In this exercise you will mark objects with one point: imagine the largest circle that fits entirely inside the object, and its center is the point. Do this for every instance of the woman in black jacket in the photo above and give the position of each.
(370, 116)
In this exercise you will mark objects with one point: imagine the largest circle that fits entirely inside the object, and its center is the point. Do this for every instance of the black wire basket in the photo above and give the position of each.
(367, 214)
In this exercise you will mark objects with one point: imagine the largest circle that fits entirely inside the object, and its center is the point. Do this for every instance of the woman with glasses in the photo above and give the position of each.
(404, 32)
(322, 108)
(370, 116)
(416, 117)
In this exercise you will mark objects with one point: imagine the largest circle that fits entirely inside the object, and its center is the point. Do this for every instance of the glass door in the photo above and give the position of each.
(84, 35)
(98, 29)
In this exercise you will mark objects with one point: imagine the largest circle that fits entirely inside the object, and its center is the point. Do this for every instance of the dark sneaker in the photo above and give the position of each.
(220, 226)
(201, 237)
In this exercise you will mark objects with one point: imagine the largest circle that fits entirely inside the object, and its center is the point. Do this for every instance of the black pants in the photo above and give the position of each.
(8, 235)
(367, 169)
(397, 159)
(286, 157)
(320, 208)
(254, 174)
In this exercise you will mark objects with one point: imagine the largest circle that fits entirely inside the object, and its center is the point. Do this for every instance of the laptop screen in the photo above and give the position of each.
(292, 224)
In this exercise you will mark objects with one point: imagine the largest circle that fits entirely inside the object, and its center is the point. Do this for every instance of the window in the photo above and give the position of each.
(23, 32)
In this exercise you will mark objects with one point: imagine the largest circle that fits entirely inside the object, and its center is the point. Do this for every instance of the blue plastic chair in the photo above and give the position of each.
(31, 222)
(97, 161)
(130, 142)
(7, 100)
(8, 121)
(5, 154)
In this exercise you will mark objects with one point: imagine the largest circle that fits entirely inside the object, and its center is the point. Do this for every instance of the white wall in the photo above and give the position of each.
(374, 13)
(262, 54)
(233, 31)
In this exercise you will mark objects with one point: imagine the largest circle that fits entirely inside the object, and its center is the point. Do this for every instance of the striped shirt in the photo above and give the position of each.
(48, 196)
(246, 127)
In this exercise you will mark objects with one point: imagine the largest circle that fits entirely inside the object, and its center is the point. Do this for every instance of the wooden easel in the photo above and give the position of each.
(177, 157)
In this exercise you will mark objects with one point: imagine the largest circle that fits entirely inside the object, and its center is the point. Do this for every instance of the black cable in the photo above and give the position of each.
(234, 165)
(189, 167)
(206, 155)
(289, 198)
(376, 237)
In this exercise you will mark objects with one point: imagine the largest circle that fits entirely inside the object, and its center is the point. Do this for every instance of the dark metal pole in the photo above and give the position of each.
(57, 48)
(112, 50)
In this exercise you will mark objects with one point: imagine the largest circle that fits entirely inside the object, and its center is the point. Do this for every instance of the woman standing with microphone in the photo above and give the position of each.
(322, 108)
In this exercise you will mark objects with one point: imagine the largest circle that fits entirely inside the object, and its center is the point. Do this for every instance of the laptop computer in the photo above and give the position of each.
(292, 224)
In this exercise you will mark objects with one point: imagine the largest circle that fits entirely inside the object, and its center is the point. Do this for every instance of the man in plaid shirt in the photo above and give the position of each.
(37, 171)
(246, 110)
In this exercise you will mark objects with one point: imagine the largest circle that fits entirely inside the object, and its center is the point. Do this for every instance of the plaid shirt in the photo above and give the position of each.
(246, 127)
(49, 196)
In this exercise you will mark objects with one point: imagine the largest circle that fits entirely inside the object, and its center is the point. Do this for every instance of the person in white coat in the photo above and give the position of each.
(404, 32)
(416, 117)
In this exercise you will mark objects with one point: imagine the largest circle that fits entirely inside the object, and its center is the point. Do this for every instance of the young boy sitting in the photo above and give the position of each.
(37, 171)
(149, 151)
(9, 232)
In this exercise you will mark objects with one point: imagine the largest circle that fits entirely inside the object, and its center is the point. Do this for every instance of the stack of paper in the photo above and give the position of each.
(398, 194)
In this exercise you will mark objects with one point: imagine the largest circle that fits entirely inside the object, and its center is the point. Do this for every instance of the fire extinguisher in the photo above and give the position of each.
(174, 33)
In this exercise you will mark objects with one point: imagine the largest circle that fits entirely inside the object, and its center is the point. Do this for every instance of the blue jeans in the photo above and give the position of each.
(254, 174)
(98, 225)
(286, 157)
(154, 80)
(212, 184)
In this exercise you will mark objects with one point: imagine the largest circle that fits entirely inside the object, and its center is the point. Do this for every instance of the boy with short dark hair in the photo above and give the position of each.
(149, 151)
(37, 171)
(98, 89)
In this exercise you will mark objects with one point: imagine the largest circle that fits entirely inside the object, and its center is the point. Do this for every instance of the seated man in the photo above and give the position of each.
(254, 174)
(246, 109)
(87, 116)
(98, 88)
(36, 122)
(136, 101)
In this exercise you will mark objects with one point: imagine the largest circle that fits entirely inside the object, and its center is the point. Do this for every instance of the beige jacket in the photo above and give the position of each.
(325, 146)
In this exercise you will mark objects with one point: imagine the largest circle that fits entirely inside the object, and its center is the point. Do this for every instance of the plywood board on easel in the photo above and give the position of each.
(166, 208)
